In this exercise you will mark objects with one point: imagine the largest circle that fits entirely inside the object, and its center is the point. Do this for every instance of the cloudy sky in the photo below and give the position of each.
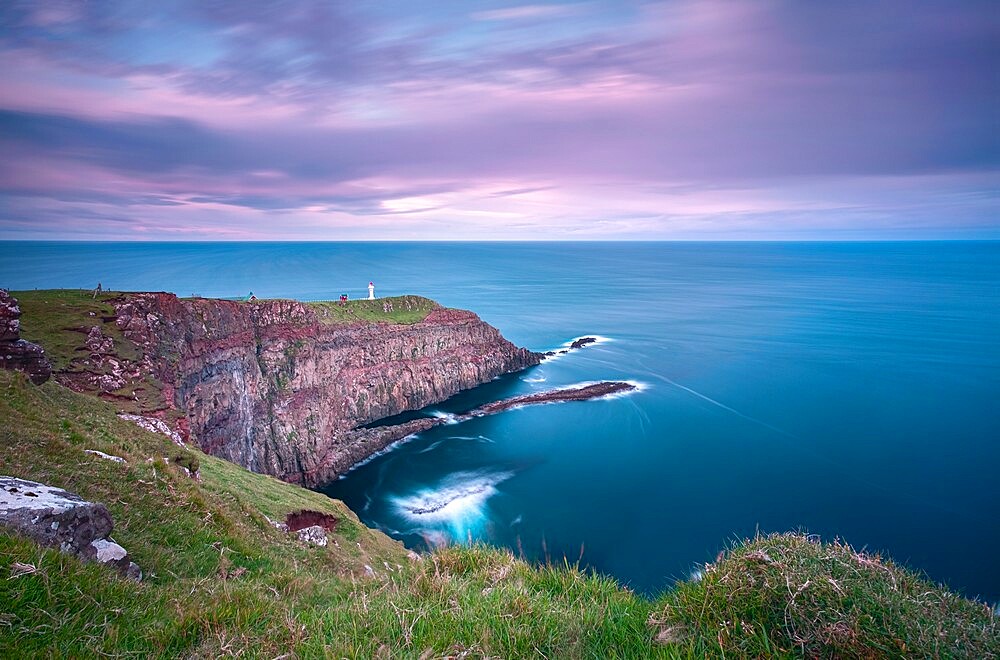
(393, 119)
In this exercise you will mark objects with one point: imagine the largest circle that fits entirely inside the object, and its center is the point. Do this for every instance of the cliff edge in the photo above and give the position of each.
(276, 386)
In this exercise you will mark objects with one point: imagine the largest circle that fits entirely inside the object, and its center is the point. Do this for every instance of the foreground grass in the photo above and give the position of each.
(220, 580)
(790, 595)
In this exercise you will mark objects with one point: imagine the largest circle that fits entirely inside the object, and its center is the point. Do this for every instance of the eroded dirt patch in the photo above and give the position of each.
(305, 518)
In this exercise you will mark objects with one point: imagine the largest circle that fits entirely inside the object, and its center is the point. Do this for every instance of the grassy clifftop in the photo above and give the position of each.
(222, 581)
(397, 309)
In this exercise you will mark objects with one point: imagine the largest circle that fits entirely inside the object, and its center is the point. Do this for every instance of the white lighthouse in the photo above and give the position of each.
(371, 291)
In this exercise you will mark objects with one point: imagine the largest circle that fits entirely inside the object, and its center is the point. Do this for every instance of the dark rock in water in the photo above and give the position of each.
(16, 353)
(56, 518)
(581, 393)
(359, 444)
(583, 341)
(370, 440)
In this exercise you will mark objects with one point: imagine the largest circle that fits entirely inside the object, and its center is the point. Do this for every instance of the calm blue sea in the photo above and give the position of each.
(847, 389)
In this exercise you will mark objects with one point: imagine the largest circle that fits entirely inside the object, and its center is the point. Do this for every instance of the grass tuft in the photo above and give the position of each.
(790, 595)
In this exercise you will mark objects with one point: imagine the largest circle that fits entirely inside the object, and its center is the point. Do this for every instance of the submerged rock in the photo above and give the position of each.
(56, 518)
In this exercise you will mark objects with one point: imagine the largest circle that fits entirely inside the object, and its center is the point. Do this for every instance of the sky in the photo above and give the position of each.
(462, 120)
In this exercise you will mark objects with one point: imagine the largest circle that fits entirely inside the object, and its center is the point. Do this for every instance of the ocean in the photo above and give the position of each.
(844, 389)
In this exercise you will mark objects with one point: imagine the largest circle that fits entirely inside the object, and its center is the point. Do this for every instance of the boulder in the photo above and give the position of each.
(314, 535)
(55, 518)
(16, 353)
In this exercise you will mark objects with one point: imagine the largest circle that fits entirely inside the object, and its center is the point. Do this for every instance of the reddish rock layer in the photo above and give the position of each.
(268, 386)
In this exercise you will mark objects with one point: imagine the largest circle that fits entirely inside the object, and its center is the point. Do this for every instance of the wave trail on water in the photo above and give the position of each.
(727, 408)
(431, 447)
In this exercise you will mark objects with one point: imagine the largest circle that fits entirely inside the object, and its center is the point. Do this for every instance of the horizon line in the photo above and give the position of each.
(501, 241)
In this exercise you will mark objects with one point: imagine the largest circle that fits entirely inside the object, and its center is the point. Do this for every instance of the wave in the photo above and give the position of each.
(539, 379)
(385, 450)
(449, 418)
(457, 504)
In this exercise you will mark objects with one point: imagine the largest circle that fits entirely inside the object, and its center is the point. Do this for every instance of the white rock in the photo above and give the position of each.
(108, 551)
(154, 425)
(314, 535)
(116, 459)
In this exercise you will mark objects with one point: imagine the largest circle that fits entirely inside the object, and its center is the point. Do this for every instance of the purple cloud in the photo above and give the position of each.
(541, 120)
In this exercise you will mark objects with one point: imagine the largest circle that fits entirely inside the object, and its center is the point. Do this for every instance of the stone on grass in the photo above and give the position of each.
(314, 535)
(95, 452)
(56, 518)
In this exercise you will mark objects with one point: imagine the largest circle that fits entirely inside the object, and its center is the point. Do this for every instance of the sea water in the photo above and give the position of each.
(844, 389)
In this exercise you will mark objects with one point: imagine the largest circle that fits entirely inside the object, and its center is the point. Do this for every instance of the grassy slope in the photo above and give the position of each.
(59, 320)
(189, 536)
(220, 580)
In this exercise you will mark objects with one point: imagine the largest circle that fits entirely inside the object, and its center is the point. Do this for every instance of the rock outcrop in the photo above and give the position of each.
(56, 518)
(17, 353)
(559, 395)
(274, 387)
(381, 436)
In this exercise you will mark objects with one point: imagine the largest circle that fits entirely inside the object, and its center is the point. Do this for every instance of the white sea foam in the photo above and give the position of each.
(449, 418)
(457, 504)
(476, 438)
(385, 450)
(564, 349)
(598, 339)
(539, 379)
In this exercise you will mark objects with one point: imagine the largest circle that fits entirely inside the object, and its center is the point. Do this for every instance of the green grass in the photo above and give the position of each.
(59, 320)
(787, 595)
(405, 310)
(220, 580)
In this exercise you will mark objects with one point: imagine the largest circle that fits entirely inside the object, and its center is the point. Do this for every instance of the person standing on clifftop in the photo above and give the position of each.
(371, 291)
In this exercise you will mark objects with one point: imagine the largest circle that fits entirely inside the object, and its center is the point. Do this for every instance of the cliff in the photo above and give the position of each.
(278, 386)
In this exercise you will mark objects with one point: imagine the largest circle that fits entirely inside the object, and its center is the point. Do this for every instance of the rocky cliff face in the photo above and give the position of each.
(16, 353)
(272, 387)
